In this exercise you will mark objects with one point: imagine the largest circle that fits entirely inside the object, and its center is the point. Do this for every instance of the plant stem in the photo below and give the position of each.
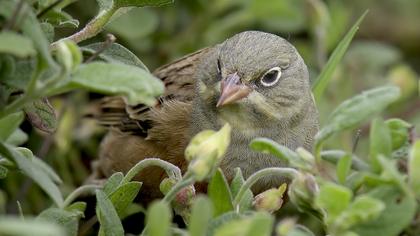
(84, 189)
(92, 28)
(281, 171)
(171, 170)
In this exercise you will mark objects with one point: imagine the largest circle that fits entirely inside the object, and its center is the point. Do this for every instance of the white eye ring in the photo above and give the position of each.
(271, 77)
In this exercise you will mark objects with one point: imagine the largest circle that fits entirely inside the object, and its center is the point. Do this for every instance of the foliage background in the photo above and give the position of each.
(385, 50)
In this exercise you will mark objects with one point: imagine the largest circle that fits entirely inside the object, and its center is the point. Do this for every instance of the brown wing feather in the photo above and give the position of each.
(179, 86)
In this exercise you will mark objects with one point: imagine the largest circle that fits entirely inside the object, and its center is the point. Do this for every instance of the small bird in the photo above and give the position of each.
(255, 81)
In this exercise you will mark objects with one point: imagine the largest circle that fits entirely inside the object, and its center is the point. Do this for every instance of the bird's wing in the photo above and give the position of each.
(178, 79)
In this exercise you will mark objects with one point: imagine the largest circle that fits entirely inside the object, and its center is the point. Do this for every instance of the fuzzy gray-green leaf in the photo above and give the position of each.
(356, 109)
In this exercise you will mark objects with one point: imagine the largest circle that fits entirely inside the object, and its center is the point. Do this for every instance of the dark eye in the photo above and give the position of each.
(271, 77)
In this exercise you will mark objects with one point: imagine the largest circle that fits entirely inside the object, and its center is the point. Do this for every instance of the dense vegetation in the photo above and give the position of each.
(363, 181)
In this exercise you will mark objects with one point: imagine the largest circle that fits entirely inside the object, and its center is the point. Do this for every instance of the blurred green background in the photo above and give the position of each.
(386, 50)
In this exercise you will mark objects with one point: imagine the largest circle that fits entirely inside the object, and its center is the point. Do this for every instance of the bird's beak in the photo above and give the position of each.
(232, 90)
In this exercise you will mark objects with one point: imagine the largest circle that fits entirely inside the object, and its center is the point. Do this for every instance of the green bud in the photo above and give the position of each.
(400, 132)
(166, 185)
(302, 191)
(206, 150)
(68, 55)
(270, 200)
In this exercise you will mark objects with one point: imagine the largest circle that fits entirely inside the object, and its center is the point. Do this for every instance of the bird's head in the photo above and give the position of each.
(251, 79)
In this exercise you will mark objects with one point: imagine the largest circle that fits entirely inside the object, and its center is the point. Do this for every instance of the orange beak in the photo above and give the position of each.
(232, 90)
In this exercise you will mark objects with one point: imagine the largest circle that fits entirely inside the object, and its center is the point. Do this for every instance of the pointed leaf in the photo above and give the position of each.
(24, 160)
(116, 53)
(219, 193)
(112, 183)
(41, 115)
(323, 79)
(124, 196)
(108, 216)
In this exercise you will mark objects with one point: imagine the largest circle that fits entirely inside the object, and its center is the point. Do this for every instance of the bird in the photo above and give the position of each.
(255, 81)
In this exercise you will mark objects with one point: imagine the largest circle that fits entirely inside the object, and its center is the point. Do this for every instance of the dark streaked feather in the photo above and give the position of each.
(179, 86)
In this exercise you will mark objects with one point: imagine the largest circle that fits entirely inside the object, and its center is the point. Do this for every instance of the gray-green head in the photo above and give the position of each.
(252, 80)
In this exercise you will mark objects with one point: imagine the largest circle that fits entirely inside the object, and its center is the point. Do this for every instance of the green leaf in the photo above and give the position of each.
(115, 53)
(380, 143)
(158, 219)
(136, 84)
(260, 223)
(201, 214)
(269, 146)
(108, 216)
(42, 166)
(235, 185)
(398, 214)
(141, 3)
(41, 115)
(17, 138)
(124, 196)
(20, 75)
(59, 18)
(112, 183)
(3, 172)
(29, 227)
(343, 168)
(414, 167)
(69, 220)
(363, 209)
(24, 160)
(356, 109)
(9, 124)
(16, 44)
(326, 74)
(219, 193)
(334, 156)
(30, 27)
(334, 199)
(126, 26)
(221, 220)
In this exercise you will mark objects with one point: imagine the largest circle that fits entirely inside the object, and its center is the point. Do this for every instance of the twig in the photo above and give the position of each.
(110, 38)
(91, 29)
(48, 8)
(12, 21)
(356, 140)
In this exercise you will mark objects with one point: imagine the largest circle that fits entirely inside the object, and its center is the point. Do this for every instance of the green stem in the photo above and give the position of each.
(281, 171)
(85, 189)
(92, 28)
(171, 170)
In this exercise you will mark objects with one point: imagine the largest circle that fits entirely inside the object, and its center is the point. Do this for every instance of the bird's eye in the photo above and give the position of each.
(271, 77)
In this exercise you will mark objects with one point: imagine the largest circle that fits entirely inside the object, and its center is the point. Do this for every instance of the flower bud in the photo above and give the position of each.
(302, 191)
(68, 55)
(270, 200)
(206, 150)
(166, 185)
